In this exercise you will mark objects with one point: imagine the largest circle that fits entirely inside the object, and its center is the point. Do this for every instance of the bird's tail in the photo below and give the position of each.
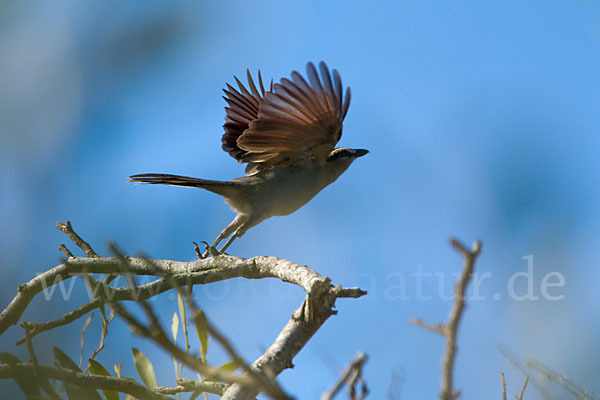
(218, 187)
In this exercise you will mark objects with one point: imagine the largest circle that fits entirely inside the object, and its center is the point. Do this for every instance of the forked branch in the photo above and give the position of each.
(449, 329)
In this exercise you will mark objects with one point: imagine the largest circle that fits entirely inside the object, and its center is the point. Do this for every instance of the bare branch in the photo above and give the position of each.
(448, 392)
(503, 386)
(184, 273)
(306, 320)
(450, 328)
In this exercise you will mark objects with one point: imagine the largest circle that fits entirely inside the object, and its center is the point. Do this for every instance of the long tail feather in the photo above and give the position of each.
(219, 187)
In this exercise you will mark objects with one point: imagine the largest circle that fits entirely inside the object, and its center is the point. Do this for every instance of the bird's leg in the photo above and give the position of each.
(235, 235)
(235, 224)
(248, 223)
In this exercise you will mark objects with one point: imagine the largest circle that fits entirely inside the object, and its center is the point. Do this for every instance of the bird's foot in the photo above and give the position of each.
(197, 250)
(209, 251)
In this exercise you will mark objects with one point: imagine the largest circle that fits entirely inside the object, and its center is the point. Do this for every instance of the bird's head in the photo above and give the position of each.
(340, 159)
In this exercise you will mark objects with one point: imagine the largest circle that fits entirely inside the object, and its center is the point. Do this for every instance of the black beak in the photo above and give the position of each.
(360, 152)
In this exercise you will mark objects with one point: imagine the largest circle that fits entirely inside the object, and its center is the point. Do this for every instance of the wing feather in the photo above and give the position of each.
(298, 120)
(243, 106)
(328, 85)
(310, 94)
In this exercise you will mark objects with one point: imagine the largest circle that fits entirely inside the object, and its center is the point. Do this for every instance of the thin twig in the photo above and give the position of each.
(516, 362)
(67, 229)
(83, 330)
(32, 357)
(503, 386)
(437, 328)
(105, 323)
(39, 327)
(65, 250)
(351, 375)
(448, 392)
(560, 379)
(523, 388)
(450, 329)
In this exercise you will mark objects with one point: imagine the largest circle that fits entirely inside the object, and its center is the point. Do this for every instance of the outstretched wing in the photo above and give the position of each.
(296, 121)
(242, 109)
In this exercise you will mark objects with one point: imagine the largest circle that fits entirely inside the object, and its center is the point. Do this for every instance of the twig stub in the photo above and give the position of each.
(68, 230)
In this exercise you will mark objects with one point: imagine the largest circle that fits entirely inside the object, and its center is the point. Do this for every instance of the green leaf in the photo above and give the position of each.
(231, 367)
(202, 331)
(98, 369)
(64, 360)
(144, 368)
(73, 391)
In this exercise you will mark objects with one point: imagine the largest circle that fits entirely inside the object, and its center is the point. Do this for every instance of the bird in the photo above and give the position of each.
(287, 136)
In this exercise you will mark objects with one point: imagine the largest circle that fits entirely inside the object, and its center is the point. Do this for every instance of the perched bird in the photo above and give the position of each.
(287, 137)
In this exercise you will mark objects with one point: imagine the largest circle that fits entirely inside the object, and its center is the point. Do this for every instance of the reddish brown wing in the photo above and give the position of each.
(242, 108)
(298, 120)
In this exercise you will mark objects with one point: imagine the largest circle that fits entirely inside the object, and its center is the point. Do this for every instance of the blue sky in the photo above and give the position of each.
(481, 119)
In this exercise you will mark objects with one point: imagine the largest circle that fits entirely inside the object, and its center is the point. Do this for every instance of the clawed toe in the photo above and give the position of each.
(209, 250)
(198, 252)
